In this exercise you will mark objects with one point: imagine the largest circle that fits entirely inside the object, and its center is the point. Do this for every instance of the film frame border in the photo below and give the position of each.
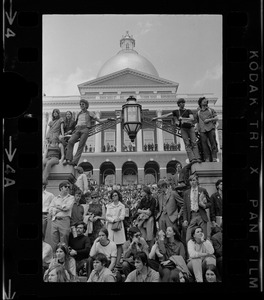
(242, 65)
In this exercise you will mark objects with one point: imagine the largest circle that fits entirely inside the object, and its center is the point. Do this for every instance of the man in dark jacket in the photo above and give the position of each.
(79, 247)
(196, 201)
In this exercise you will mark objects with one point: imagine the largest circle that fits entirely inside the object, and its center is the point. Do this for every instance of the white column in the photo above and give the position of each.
(118, 138)
(139, 141)
(217, 139)
(160, 135)
(182, 144)
(48, 118)
(76, 145)
(98, 136)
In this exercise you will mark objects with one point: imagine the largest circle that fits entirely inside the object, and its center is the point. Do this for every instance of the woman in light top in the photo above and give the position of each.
(63, 258)
(201, 253)
(115, 211)
(55, 126)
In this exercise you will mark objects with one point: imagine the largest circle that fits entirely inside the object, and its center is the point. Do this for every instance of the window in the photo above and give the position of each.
(127, 144)
(149, 140)
(170, 141)
(109, 144)
(168, 137)
(90, 144)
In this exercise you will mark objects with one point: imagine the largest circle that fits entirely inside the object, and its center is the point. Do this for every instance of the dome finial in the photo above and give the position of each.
(127, 42)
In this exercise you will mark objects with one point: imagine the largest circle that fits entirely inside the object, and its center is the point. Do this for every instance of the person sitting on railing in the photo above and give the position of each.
(81, 133)
(68, 126)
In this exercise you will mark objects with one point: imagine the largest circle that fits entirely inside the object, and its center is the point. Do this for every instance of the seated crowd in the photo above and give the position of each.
(154, 233)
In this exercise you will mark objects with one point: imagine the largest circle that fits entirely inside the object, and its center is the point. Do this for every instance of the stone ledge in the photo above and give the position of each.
(207, 169)
(60, 172)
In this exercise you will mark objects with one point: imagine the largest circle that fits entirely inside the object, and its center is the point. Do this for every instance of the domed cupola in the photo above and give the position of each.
(127, 57)
(127, 42)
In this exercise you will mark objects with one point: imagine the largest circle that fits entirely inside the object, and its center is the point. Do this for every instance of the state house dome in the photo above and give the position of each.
(127, 58)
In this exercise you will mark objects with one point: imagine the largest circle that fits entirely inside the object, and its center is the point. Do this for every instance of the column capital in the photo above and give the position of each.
(118, 113)
(98, 113)
(159, 112)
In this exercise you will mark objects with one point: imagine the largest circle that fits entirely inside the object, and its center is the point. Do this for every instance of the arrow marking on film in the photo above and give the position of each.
(9, 154)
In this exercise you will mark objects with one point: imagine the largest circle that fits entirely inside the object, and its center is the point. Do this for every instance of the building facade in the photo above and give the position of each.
(109, 156)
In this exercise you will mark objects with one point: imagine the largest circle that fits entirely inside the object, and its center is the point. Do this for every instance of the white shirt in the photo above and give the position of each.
(82, 183)
(195, 249)
(65, 203)
(47, 252)
(46, 200)
(81, 119)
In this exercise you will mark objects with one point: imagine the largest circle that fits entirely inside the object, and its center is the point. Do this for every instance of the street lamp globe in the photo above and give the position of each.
(131, 112)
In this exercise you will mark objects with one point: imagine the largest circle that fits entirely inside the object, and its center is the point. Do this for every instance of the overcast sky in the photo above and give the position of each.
(183, 48)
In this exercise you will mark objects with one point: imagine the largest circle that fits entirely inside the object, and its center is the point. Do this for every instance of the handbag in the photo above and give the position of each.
(117, 226)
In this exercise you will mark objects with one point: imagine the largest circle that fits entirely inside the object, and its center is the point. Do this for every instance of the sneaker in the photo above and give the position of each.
(214, 159)
(65, 162)
(199, 160)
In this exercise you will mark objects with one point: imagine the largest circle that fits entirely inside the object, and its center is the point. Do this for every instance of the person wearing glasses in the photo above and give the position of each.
(81, 132)
(134, 244)
(79, 248)
(116, 211)
(60, 212)
(95, 216)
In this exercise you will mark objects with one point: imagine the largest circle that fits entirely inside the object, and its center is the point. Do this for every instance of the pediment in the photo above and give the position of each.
(128, 77)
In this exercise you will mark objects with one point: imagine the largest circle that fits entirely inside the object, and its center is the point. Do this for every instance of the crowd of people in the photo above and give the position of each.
(154, 233)
(165, 232)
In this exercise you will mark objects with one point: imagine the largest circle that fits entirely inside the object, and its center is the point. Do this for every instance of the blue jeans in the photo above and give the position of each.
(81, 134)
(209, 146)
(48, 163)
(189, 139)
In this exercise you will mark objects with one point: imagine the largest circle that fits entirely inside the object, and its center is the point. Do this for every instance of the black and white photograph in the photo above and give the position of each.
(132, 156)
